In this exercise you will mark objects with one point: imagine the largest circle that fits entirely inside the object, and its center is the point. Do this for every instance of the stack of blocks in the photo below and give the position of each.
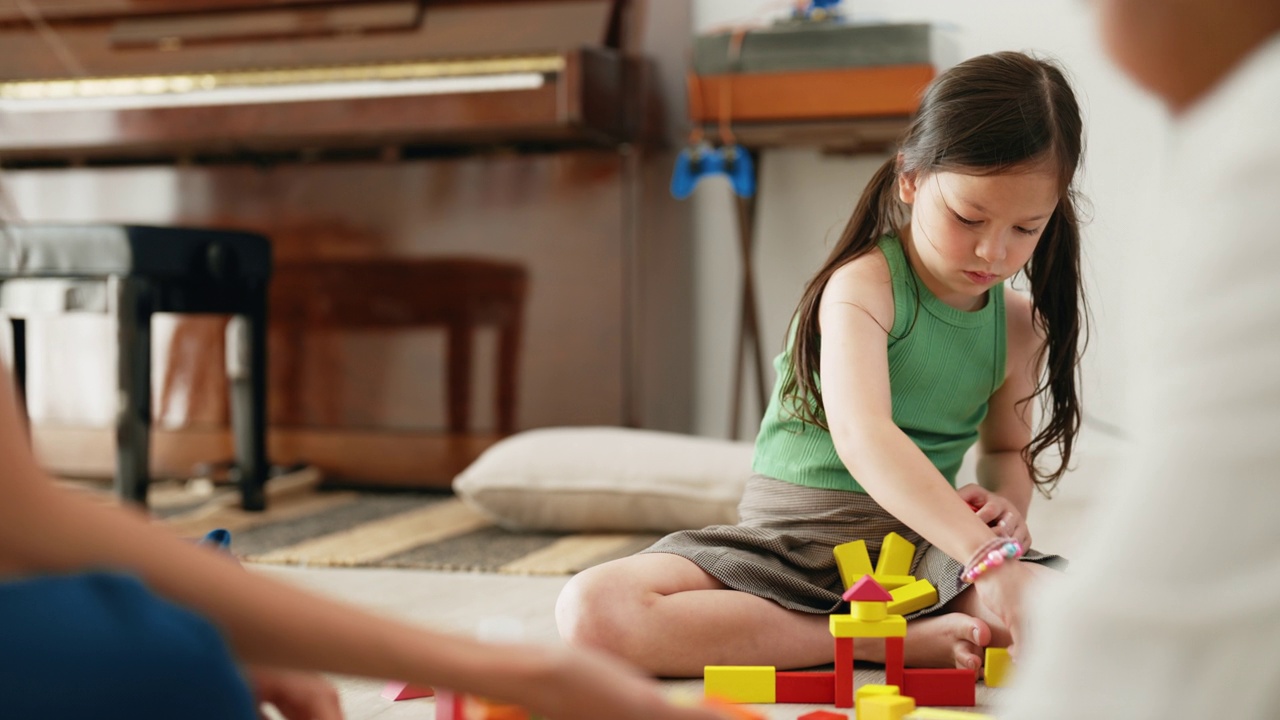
(878, 600)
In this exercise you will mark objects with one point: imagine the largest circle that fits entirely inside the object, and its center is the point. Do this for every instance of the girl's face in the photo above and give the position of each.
(969, 233)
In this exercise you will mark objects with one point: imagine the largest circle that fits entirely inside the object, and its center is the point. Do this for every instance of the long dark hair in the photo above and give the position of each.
(989, 114)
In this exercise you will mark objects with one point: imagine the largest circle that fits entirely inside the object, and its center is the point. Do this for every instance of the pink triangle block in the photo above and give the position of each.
(867, 590)
(405, 691)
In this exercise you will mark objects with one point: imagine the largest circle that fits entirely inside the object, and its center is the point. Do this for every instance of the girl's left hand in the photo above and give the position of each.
(297, 695)
(997, 512)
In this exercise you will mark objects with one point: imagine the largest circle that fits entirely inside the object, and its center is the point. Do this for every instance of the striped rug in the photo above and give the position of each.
(305, 525)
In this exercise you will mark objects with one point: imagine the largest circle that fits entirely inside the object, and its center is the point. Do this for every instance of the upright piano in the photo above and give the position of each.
(522, 131)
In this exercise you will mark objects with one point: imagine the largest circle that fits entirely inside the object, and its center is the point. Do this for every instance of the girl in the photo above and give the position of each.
(906, 349)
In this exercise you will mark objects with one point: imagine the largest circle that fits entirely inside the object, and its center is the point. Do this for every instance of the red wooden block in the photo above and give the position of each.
(818, 688)
(449, 705)
(823, 715)
(844, 673)
(405, 691)
(931, 688)
(893, 661)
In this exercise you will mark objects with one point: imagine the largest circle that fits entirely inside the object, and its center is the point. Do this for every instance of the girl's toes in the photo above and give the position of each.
(979, 633)
(968, 656)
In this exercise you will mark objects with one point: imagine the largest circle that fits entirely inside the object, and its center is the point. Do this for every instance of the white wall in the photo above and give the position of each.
(806, 197)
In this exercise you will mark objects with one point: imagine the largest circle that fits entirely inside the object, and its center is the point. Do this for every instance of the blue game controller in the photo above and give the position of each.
(702, 160)
(819, 10)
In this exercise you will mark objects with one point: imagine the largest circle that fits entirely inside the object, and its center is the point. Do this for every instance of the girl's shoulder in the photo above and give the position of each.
(865, 282)
(1022, 331)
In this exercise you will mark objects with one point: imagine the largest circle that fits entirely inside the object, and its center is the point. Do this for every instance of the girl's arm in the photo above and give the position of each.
(855, 314)
(46, 529)
(1007, 428)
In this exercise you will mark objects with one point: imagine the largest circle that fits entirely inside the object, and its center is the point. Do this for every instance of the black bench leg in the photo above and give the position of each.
(133, 382)
(247, 372)
(19, 327)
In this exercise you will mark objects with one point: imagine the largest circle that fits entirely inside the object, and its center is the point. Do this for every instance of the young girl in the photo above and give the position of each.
(906, 349)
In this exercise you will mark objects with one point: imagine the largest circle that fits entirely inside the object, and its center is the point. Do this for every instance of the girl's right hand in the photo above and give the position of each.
(1002, 590)
(584, 685)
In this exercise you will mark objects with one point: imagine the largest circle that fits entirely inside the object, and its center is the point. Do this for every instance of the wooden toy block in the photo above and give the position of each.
(847, 626)
(818, 688)
(405, 691)
(893, 582)
(997, 667)
(869, 611)
(885, 707)
(449, 705)
(896, 554)
(740, 683)
(477, 708)
(823, 715)
(939, 714)
(910, 598)
(940, 687)
(844, 673)
(852, 561)
(734, 712)
(867, 590)
(893, 661)
(867, 691)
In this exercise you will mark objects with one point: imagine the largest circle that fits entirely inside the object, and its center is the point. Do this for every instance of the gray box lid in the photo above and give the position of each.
(815, 46)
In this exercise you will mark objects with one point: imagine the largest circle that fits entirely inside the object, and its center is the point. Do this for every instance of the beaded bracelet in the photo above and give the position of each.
(992, 555)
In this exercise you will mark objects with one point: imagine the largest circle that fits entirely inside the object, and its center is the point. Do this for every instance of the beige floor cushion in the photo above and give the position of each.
(607, 479)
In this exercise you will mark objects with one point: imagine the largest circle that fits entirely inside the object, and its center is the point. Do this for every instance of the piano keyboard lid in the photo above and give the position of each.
(92, 79)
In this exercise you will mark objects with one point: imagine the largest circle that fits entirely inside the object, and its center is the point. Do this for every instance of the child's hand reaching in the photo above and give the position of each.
(997, 512)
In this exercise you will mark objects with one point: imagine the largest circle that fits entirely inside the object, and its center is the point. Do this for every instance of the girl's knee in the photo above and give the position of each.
(596, 608)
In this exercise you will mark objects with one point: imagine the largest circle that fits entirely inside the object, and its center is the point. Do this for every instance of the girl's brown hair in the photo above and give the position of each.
(989, 114)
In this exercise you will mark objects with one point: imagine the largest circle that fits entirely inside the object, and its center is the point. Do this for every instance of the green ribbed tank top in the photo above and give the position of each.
(944, 365)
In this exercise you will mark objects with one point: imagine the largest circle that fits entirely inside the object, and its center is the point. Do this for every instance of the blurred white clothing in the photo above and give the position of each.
(1173, 609)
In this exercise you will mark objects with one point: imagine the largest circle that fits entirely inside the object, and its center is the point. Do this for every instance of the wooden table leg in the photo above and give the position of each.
(749, 339)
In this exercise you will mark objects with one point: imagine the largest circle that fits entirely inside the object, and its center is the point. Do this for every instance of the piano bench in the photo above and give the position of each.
(131, 272)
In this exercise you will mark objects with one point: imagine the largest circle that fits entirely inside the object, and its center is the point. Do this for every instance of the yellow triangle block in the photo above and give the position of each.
(896, 554)
(852, 561)
(847, 626)
(910, 598)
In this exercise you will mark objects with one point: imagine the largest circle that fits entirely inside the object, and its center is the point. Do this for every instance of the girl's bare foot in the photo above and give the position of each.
(950, 640)
(945, 641)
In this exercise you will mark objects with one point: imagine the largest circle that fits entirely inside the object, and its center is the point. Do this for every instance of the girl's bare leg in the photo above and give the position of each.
(665, 614)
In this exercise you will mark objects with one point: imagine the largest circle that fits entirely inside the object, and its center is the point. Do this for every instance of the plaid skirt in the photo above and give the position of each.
(781, 547)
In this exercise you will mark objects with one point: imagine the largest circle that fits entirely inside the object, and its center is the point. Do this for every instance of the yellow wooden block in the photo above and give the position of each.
(852, 561)
(848, 626)
(740, 683)
(869, 611)
(885, 707)
(866, 691)
(929, 713)
(998, 667)
(893, 582)
(896, 554)
(910, 598)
